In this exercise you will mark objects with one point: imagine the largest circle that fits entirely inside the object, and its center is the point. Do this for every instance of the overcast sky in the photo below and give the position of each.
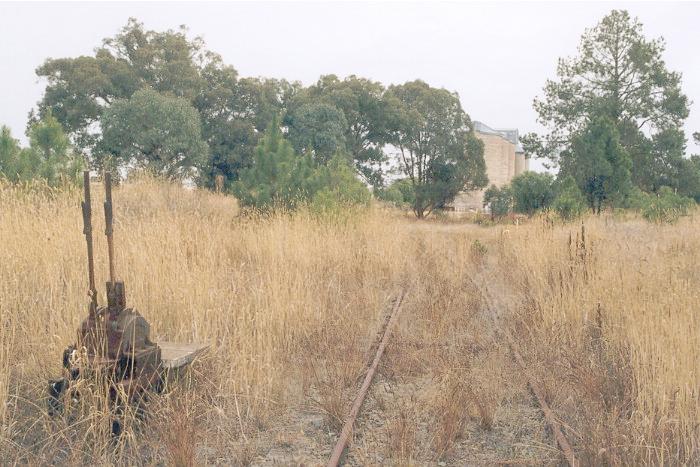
(497, 56)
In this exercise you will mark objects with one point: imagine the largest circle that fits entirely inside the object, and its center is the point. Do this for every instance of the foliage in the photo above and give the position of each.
(364, 108)
(599, 164)
(49, 156)
(570, 202)
(355, 117)
(688, 181)
(439, 152)
(666, 206)
(338, 180)
(319, 130)
(80, 90)
(9, 151)
(232, 123)
(532, 192)
(339, 190)
(279, 178)
(636, 200)
(390, 194)
(499, 201)
(399, 193)
(155, 132)
(621, 76)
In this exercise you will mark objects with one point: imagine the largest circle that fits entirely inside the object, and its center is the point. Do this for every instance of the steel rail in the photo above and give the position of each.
(549, 416)
(347, 428)
(546, 410)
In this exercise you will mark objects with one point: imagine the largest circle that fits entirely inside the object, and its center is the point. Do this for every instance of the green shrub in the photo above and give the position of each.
(636, 200)
(570, 202)
(666, 206)
(499, 201)
(399, 193)
(391, 195)
(532, 192)
(281, 179)
(338, 189)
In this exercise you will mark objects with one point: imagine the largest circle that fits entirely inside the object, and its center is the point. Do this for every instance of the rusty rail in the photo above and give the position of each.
(548, 414)
(347, 428)
(559, 436)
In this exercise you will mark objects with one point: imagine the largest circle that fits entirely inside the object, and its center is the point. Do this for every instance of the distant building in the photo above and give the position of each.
(504, 157)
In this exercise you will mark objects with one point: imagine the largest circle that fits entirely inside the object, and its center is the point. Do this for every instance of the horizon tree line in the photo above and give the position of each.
(161, 102)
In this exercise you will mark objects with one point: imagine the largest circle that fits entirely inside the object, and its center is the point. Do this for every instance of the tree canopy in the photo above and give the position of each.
(621, 76)
(155, 132)
(48, 157)
(231, 111)
(317, 129)
(161, 100)
(532, 192)
(439, 152)
(365, 120)
(279, 178)
(599, 164)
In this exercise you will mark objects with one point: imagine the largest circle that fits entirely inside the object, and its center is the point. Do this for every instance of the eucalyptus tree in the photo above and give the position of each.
(438, 151)
(80, 90)
(318, 129)
(161, 134)
(365, 133)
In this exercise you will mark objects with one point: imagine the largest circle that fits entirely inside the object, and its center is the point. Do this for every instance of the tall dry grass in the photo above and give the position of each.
(269, 294)
(291, 305)
(610, 315)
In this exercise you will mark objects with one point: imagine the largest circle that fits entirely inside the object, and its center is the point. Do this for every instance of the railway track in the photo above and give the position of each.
(561, 440)
(337, 452)
(549, 416)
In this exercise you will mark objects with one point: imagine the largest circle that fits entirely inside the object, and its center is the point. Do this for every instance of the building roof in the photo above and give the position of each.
(510, 134)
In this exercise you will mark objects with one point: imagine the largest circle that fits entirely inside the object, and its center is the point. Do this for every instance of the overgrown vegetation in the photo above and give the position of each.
(570, 202)
(292, 318)
(281, 179)
(439, 152)
(605, 313)
(163, 102)
(498, 201)
(614, 116)
(666, 206)
(532, 192)
(49, 156)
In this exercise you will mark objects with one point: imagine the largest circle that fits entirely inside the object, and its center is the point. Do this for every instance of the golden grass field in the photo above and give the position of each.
(608, 324)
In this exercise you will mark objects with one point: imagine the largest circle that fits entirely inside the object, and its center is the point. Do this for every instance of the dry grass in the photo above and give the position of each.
(611, 323)
(291, 305)
(264, 292)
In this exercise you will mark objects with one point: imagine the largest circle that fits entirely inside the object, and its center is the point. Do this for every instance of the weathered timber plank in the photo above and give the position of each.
(178, 354)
